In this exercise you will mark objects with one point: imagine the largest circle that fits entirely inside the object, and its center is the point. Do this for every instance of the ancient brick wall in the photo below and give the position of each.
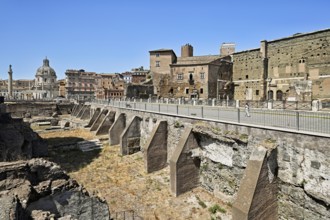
(19, 109)
(302, 57)
(247, 75)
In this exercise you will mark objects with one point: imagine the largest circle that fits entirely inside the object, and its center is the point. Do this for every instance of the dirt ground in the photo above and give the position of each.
(124, 184)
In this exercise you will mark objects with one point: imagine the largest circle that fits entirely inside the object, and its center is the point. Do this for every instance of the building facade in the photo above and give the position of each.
(127, 76)
(295, 68)
(109, 86)
(160, 69)
(139, 75)
(190, 76)
(201, 77)
(80, 85)
(21, 89)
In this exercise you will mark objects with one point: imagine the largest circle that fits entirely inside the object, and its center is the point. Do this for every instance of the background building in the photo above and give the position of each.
(127, 76)
(109, 86)
(160, 70)
(295, 68)
(227, 49)
(45, 85)
(20, 87)
(80, 85)
(139, 75)
(191, 76)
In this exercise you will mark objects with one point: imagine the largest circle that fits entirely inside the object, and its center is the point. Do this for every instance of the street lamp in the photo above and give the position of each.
(268, 80)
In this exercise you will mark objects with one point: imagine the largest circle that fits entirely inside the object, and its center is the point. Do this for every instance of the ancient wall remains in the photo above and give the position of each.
(298, 67)
(19, 109)
(247, 75)
(139, 91)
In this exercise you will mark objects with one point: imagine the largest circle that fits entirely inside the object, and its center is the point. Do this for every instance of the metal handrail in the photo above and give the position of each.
(302, 121)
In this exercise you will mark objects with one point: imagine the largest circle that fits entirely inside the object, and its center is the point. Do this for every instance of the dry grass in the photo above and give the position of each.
(125, 185)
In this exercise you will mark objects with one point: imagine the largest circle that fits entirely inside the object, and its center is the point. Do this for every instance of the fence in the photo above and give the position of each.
(317, 122)
(126, 215)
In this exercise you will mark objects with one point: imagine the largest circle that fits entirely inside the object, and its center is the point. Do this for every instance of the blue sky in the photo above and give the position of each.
(107, 36)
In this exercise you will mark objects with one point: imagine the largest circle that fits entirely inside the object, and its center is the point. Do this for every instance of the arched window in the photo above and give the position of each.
(279, 95)
(191, 77)
(270, 95)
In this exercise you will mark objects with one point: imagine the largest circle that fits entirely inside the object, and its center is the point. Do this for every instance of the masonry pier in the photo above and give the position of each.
(184, 169)
(155, 154)
(105, 125)
(117, 129)
(99, 119)
(130, 138)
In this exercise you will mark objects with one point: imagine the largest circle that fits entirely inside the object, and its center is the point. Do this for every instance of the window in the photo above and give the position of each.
(187, 91)
(202, 75)
(191, 77)
(157, 54)
(180, 76)
(246, 76)
(201, 91)
(257, 92)
(157, 63)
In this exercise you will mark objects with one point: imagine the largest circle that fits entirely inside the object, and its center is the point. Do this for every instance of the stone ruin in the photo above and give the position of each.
(39, 189)
(18, 140)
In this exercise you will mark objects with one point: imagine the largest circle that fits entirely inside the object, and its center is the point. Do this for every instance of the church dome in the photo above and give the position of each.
(45, 69)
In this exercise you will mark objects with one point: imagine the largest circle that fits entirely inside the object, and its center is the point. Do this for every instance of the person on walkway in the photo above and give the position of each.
(247, 110)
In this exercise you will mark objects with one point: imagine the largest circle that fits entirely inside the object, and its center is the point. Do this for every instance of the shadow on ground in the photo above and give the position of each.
(62, 151)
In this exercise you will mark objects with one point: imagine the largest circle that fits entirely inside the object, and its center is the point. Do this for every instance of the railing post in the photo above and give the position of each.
(202, 112)
(145, 106)
(238, 115)
(177, 109)
(297, 120)
(158, 107)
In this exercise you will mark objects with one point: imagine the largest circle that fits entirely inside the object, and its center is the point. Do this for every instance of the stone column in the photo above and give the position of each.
(264, 69)
(10, 82)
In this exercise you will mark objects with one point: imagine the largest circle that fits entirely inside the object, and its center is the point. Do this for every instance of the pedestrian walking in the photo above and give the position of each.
(247, 110)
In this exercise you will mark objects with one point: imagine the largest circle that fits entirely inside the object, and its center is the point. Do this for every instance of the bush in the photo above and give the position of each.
(215, 208)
